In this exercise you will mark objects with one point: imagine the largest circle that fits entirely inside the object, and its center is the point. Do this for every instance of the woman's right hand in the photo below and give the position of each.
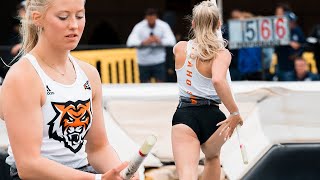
(229, 125)
(114, 174)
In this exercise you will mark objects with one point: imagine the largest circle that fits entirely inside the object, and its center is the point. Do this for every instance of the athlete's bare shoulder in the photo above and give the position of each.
(22, 70)
(180, 53)
(22, 80)
(224, 55)
(181, 46)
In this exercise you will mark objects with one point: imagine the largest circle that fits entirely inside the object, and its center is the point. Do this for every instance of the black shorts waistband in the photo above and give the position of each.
(191, 102)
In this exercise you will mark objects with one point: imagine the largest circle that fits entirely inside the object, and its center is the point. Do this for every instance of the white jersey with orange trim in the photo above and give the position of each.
(192, 84)
(67, 117)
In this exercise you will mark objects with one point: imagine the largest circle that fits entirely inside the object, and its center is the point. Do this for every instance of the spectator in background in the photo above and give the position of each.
(249, 63)
(281, 9)
(287, 54)
(267, 54)
(314, 42)
(301, 72)
(150, 36)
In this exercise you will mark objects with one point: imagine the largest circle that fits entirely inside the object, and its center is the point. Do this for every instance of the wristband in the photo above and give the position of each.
(98, 177)
(234, 113)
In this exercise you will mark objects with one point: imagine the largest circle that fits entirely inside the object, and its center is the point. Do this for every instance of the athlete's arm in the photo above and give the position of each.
(101, 154)
(219, 73)
(23, 93)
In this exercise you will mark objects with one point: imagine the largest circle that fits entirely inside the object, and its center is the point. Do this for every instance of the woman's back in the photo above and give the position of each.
(194, 75)
(204, 67)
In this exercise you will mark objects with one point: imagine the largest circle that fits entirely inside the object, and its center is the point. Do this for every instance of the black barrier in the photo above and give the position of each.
(288, 162)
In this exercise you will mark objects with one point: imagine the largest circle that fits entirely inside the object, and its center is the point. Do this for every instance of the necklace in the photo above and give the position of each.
(61, 73)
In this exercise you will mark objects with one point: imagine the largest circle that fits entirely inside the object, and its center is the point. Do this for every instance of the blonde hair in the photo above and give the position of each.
(206, 21)
(29, 31)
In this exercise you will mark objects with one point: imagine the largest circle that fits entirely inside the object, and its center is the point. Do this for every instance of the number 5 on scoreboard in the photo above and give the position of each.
(250, 32)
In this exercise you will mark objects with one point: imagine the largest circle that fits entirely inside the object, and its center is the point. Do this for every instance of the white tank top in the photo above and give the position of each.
(67, 117)
(192, 84)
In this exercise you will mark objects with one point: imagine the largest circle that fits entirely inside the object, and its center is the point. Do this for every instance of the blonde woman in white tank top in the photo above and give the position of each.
(204, 82)
(52, 103)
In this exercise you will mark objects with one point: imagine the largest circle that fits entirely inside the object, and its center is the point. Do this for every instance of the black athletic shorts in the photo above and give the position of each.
(202, 119)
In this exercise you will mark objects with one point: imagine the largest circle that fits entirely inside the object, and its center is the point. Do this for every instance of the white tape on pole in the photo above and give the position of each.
(137, 160)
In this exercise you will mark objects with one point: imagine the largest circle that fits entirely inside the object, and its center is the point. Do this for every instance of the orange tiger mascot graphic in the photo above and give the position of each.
(71, 123)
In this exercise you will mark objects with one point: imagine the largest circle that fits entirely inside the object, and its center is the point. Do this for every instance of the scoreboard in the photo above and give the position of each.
(259, 32)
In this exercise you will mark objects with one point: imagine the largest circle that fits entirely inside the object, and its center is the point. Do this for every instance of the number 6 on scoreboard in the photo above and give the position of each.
(280, 28)
(266, 29)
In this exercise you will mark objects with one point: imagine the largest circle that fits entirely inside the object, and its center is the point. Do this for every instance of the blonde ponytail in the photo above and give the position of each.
(206, 21)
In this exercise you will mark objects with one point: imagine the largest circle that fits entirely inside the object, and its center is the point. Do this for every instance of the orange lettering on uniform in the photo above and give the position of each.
(189, 64)
(193, 100)
(188, 82)
(189, 73)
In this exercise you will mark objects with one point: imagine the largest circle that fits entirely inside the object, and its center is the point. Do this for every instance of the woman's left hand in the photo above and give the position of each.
(229, 125)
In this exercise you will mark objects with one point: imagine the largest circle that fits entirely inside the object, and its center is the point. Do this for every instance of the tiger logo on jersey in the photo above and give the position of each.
(71, 123)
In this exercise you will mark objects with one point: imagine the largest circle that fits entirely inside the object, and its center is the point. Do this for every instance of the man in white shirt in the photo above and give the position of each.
(151, 35)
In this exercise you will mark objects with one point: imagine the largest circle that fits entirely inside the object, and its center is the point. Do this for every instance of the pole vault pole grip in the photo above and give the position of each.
(138, 158)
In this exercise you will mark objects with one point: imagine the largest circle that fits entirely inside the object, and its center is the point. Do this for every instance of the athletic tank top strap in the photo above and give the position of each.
(37, 67)
(80, 73)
